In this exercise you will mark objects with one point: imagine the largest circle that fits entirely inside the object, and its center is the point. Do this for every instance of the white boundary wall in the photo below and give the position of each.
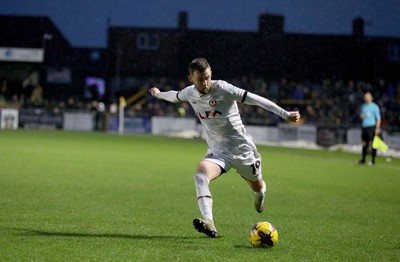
(284, 134)
(78, 121)
(188, 127)
(354, 138)
(169, 125)
(261, 133)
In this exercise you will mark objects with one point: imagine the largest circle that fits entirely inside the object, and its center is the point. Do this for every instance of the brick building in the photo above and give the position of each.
(133, 52)
(269, 52)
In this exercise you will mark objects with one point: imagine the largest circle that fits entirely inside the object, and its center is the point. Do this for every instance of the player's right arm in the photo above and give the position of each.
(362, 115)
(171, 96)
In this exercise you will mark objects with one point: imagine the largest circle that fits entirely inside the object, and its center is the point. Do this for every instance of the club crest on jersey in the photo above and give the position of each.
(212, 102)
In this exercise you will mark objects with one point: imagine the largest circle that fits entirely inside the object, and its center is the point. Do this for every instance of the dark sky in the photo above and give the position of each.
(84, 22)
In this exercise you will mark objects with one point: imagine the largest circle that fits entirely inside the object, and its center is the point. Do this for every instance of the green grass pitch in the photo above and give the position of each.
(70, 196)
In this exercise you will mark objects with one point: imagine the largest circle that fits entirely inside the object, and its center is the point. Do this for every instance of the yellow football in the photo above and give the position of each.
(263, 234)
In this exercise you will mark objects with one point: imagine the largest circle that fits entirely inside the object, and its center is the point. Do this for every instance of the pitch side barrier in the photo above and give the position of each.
(41, 118)
(13, 118)
(284, 134)
(305, 135)
(288, 135)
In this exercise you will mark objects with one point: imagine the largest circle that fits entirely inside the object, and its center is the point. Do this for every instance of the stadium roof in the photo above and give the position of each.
(29, 32)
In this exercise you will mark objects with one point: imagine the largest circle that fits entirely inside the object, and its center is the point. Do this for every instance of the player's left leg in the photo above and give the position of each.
(259, 188)
(364, 145)
(373, 150)
(253, 176)
(373, 154)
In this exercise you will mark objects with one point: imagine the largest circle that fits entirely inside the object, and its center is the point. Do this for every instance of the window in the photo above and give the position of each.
(394, 52)
(95, 55)
(147, 41)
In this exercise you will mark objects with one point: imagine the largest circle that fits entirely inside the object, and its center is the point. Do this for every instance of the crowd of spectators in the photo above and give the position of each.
(328, 102)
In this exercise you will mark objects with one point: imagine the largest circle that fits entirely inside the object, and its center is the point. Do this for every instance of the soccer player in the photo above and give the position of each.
(371, 122)
(215, 104)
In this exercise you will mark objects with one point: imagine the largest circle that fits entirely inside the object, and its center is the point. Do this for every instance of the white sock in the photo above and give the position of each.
(263, 190)
(205, 205)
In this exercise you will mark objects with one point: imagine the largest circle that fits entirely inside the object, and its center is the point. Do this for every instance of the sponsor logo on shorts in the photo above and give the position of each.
(210, 155)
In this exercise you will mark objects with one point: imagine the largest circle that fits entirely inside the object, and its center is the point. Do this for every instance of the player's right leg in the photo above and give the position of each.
(364, 151)
(364, 144)
(206, 171)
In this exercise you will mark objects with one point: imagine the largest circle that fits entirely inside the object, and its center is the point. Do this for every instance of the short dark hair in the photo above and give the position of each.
(198, 64)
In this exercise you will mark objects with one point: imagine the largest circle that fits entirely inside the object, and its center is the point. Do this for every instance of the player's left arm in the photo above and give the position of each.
(253, 99)
(378, 127)
(378, 121)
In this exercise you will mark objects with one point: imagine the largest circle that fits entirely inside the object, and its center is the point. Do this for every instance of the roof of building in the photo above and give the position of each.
(29, 32)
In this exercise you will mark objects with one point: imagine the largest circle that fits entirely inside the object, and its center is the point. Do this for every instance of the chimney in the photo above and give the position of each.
(183, 20)
(358, 27)
(271, 24)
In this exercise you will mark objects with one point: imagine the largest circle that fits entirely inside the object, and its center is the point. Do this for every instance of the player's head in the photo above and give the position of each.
(200, 75)
(368, 97)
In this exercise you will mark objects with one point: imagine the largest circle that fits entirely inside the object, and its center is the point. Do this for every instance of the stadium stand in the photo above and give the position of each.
(323, 76)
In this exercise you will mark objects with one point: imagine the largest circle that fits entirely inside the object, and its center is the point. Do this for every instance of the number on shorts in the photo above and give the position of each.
(256, 167)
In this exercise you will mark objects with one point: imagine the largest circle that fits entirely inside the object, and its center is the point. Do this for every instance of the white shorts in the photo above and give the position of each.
(246, 162)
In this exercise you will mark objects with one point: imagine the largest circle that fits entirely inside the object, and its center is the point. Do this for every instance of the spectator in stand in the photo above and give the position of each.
(37, 96)
(4, 92)
(298, 93)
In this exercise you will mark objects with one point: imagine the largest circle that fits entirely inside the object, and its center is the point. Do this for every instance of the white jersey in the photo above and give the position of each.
(219, 115)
